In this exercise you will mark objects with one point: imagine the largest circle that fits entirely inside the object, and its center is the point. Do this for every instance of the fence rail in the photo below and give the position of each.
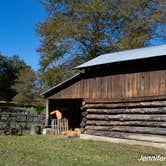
(8, 118)
(59, 125)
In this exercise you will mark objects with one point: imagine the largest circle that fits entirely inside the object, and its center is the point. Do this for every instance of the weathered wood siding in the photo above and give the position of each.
(124, 120)
(117, 86)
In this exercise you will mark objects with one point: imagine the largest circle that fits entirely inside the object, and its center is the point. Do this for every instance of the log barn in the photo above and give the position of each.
(119, 95)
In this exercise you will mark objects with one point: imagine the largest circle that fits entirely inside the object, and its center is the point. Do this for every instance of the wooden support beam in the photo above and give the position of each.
(47, 113)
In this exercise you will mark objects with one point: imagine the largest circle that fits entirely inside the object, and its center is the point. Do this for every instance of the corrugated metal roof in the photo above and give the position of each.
(127, 55)
(58, 85)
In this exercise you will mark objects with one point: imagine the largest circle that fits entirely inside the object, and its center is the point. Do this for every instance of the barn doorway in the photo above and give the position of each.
(70, 109)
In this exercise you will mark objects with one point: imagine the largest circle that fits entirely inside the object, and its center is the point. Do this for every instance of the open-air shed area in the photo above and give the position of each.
(119, 95)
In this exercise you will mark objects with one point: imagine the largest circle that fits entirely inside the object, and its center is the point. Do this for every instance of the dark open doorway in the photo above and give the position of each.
(70, 109)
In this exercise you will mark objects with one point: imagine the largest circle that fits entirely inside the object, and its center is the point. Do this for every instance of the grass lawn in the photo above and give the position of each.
(50, 150)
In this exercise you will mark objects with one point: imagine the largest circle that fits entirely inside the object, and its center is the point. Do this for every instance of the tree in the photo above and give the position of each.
(25, 86)
(76, 31)
(9, 67)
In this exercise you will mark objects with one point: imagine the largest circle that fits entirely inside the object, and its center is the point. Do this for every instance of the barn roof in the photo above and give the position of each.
(140, 53)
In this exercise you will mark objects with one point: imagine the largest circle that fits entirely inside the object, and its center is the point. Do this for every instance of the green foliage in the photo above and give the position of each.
(54, 75)
(9, 67)
(28, 89)
(76, 31)
(19, 82)
(39, 109)
(25, 86)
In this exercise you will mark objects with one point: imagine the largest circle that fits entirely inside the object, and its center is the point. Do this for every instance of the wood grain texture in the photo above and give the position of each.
(143, 130)
(128, 117)
(120, 86)
(161, 110)
(125, 123)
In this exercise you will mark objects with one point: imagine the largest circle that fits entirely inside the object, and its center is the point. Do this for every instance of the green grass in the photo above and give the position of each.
(53, 151)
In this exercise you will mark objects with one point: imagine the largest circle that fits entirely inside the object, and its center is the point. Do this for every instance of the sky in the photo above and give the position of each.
(18, 20)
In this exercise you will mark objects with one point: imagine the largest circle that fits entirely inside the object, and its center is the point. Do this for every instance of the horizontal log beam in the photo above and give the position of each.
(126, 123)
(128, 117)
(129, 99)
(144, 130)
(121, 105)
(133, 136)
(129, 110)
(84, 113)
(84, 119)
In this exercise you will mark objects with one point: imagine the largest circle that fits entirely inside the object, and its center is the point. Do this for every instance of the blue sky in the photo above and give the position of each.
(17, 29)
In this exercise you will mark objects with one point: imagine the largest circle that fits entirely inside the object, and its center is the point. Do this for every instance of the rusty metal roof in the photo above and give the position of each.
(140, 53)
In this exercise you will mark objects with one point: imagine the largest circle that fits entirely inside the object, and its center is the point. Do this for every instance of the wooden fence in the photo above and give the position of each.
(59, 125)
(10, 119)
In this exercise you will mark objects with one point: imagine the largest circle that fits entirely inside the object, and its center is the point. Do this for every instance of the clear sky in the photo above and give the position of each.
(17, 29)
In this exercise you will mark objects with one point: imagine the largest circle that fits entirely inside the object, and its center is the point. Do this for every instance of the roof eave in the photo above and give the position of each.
(60, 84)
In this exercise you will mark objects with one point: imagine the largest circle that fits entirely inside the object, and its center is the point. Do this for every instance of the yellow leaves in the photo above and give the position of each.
(156, 15)
(93, 6)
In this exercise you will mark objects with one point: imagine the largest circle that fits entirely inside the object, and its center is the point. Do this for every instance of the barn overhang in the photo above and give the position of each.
(62, 85)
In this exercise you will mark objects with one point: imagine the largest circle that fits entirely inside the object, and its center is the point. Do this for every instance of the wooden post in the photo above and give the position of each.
(47, 113)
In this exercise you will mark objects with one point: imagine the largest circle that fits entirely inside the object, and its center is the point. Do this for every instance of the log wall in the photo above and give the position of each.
(124, 120)
(117, 86)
